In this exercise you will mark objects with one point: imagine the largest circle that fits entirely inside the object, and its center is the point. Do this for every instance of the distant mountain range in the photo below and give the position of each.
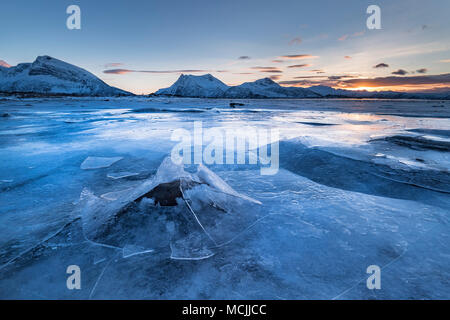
(50, 76)
(207, 86)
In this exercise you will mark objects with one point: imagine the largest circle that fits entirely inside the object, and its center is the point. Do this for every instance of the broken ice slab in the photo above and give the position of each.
(120, 175)
(98, 162)
(169, 208)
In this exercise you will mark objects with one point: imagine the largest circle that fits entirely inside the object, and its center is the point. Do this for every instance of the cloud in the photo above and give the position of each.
(423, 70)
(300, 65)
(295, 41)
(117, 71)
(299, 56)
(125, 71)
(277, 61)
(400, 72)
(347, 36)
(267, 69)
(244, 58)
(339, 77)
(306, 82)
(398, 81)
(381, 65)
(113, 64)
(347, 57)
(310, 77)
(262, 68)
(445, 61)
(275, 77)
(272, 71)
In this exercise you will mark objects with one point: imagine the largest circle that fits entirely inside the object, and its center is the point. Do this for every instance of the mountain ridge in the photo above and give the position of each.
(266, 88)
(207, 86)
(50, 76)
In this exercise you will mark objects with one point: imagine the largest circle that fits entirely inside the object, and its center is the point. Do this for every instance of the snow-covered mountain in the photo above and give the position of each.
(326, 91)
(4, 64)
(205, 86)
(267, 88)
(50, 76)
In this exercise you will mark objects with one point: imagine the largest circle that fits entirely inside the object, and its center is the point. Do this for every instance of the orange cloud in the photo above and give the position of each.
(299, 56)
(300, 65)
(125, 71)
(399, 81)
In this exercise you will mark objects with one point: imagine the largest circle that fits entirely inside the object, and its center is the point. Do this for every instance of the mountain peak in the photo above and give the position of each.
(4, 64)
(188, 85)
(44, 58)
(47, 75)
(266, 82)
(206, 76)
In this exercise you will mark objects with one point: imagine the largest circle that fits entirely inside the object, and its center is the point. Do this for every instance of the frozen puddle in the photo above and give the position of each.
(98, 162)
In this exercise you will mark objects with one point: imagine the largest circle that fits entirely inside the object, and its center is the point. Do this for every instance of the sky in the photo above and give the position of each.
(142, 46)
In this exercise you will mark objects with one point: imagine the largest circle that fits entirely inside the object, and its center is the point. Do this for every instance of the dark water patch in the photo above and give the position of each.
(417, 143)
(158, 110)
(426, 186)
(437, 132)
(418, 115)
(318, 124)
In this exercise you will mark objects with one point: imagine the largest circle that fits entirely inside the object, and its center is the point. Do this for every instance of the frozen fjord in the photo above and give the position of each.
(349, 193)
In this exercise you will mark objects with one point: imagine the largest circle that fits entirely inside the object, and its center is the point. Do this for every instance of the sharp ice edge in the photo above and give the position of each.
(99, 162)
(120, 175)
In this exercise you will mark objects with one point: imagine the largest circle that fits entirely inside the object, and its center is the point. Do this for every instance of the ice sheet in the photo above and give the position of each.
(345, 197)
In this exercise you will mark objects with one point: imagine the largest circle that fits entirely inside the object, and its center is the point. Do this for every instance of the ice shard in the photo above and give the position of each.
(190, 213)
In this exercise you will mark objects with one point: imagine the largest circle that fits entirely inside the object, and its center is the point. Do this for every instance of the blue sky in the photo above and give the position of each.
(330, 36)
